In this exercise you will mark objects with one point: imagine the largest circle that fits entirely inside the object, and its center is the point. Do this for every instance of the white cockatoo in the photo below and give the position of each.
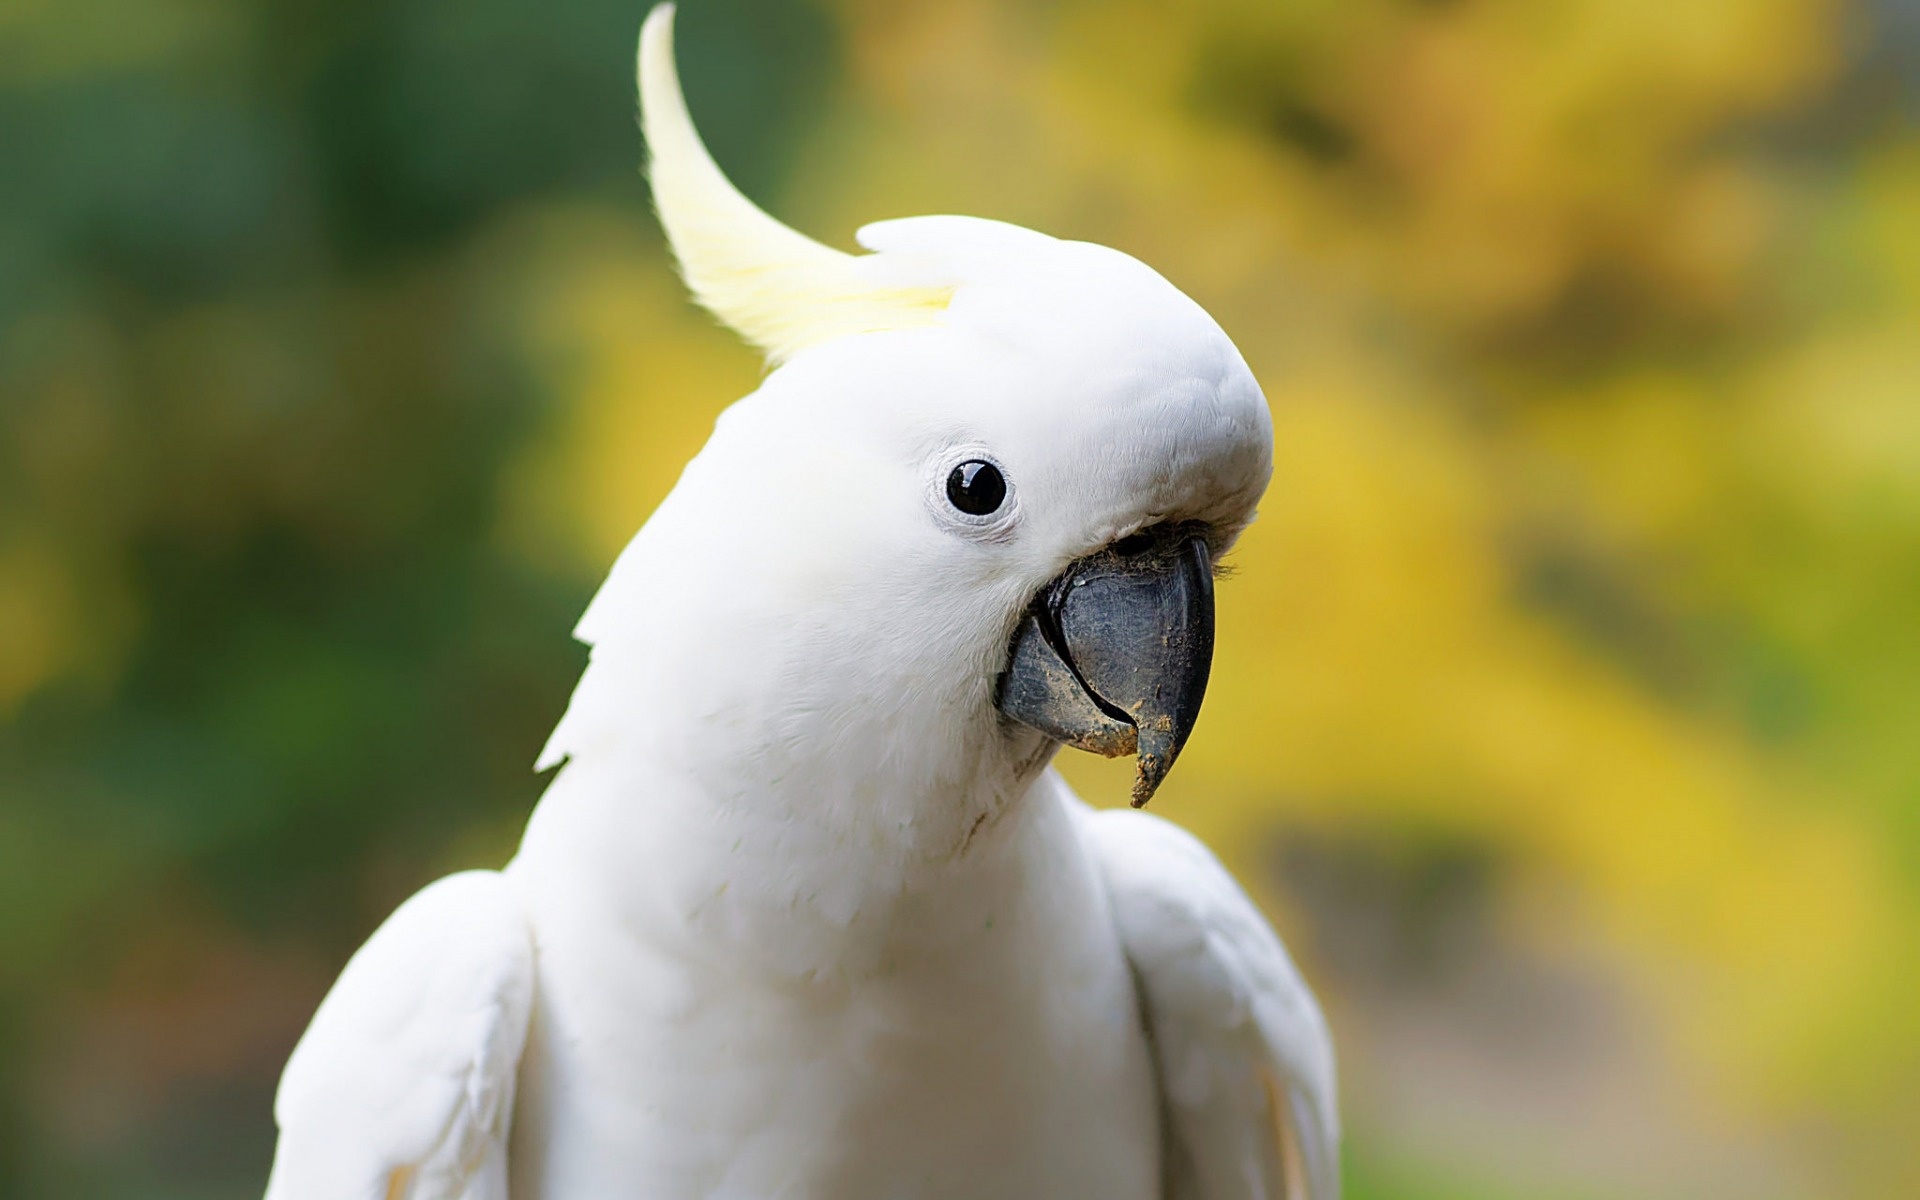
(806, 913)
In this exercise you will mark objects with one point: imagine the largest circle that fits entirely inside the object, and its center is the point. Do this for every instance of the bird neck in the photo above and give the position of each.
(774, 775)
(798, 870)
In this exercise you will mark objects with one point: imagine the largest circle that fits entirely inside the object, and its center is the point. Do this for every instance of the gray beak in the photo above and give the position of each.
(1113, 655)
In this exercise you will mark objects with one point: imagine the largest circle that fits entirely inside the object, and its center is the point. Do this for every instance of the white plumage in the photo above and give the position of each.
(403, 1084)
(802, 915)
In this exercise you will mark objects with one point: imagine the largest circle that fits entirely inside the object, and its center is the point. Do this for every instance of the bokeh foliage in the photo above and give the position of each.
(1567, 688)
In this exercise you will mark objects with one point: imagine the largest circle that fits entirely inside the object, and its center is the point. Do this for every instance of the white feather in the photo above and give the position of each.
(402, 1087)
(1246, 1066)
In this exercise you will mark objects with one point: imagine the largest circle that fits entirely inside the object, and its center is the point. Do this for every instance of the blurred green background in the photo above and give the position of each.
(1567, 715)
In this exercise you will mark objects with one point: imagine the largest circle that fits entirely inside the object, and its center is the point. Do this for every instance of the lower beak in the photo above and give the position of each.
(1113, 655)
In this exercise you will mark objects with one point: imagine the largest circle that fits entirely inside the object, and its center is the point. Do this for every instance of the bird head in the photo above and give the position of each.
(982, 487)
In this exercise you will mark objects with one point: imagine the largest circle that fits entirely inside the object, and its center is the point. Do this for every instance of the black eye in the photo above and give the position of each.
(976, 488)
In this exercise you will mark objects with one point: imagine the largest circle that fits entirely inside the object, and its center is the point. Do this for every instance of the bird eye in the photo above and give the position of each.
(976, 488)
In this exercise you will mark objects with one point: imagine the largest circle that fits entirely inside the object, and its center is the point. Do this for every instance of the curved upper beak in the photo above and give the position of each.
(1113, 655)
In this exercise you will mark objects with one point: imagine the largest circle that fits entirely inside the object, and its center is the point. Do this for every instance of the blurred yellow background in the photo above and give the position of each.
(1567, 707)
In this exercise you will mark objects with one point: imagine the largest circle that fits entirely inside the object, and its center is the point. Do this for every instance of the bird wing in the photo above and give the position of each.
(402, 1087)
(1244, 1060)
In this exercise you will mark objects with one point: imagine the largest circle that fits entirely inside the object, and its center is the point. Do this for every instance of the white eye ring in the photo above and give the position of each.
(995, 524)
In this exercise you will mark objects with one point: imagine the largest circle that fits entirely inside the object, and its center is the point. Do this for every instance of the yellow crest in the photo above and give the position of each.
(777, 287)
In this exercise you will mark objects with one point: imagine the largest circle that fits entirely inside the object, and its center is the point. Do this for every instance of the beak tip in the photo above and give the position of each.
(1151, 772)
